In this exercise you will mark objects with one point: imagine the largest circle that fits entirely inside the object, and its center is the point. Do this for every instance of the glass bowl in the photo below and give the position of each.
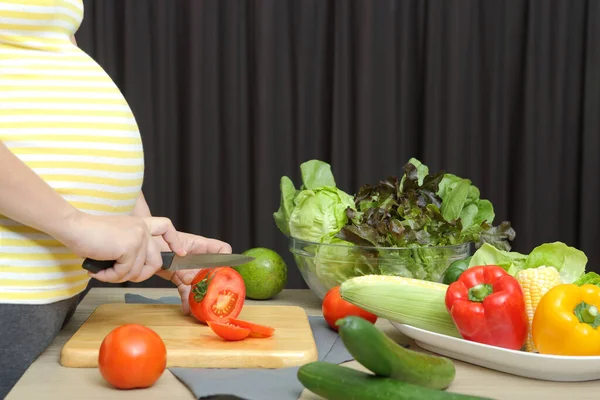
(324, 266)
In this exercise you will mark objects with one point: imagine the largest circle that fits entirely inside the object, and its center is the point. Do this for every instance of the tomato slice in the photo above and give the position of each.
(217, 294)
(229, 331)
(256, 330)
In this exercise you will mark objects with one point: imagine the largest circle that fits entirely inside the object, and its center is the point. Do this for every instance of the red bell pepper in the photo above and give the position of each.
(487, 306)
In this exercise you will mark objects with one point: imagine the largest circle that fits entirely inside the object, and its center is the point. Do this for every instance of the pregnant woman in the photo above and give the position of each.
(71, 173)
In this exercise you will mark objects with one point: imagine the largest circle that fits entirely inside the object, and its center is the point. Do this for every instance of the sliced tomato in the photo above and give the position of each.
(229, 331)
(217, 294)
(256, 330)
(236, 329)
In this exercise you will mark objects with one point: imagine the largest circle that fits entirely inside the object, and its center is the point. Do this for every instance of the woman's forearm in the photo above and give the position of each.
(26, 198)
(141, 208)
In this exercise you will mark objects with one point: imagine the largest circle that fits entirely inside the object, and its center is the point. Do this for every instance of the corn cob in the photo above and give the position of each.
(405, 300)
(535, 282)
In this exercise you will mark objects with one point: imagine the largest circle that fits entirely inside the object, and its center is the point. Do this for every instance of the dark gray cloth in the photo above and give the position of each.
(25, 332)
(255, 384)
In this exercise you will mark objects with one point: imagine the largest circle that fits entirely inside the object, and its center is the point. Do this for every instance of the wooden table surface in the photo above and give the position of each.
(47, 379)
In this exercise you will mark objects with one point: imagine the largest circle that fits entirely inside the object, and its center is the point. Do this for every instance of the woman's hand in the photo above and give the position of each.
(128, 240)
(192, 244)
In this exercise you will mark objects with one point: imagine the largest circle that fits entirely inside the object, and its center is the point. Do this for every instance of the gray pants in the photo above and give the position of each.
(25, 332)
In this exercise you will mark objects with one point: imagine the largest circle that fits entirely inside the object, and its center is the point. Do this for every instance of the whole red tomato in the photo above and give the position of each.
(132, 356)
(334, 308)
(217, 294)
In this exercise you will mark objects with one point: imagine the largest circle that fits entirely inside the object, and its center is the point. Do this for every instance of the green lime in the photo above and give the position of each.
(265, 276)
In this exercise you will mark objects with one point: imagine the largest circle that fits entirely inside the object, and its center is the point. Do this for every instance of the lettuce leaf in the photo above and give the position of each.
(422, 171)
(569, 261)
(591, 278)
(316, 175)
(460, 199)
(288, 194)
(487, 254)
(454, 195)
(496, 235)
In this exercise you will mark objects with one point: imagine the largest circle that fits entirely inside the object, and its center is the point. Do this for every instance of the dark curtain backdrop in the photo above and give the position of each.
(231, 95)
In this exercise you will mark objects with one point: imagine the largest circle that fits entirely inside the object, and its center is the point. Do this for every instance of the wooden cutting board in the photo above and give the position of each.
(194, 345)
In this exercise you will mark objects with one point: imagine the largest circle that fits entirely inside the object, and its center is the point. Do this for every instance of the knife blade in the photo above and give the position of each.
(173, 262)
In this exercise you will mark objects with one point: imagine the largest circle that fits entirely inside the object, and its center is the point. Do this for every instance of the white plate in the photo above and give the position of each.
(529, 365)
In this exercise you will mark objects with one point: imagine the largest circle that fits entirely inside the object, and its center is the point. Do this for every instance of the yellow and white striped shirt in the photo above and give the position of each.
(62, 115)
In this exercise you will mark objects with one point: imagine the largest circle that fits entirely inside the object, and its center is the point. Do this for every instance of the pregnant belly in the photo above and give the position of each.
(63, 116)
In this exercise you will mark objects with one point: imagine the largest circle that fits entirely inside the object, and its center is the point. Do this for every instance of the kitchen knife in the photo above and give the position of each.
(173, 262)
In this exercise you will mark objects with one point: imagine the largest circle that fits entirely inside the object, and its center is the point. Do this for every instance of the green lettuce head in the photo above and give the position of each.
(315, 212)
(319, 214)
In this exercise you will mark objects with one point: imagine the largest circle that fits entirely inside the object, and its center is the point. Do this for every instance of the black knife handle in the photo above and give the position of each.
(95, 266)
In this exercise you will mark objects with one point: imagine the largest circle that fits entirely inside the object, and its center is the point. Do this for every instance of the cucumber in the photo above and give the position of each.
(336, 382)
(384, 357)
(455, 270)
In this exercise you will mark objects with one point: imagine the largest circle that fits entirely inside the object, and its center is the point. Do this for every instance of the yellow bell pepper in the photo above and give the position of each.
(566, 321)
